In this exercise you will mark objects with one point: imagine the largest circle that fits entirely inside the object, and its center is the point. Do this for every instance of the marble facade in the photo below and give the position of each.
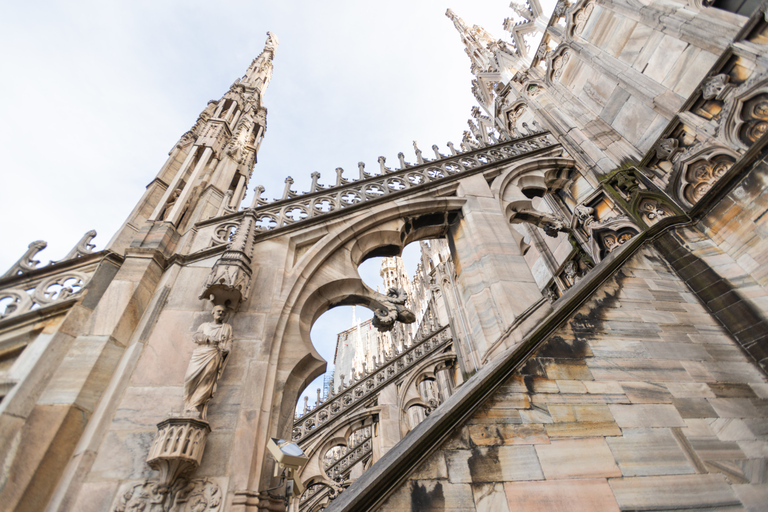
(602, 339)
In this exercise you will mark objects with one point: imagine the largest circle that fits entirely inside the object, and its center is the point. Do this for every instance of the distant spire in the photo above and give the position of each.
(477, 41)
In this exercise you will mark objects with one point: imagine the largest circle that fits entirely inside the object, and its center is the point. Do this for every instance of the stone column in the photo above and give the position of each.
(444, 382)
(174, 183)
(178, 207)
(493, 279)
(237, 197)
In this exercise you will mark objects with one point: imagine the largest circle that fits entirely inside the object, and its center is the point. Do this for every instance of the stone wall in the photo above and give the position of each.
(640, 402)
(723, 261)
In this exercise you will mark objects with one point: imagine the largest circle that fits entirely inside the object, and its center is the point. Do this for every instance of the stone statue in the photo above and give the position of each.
(213, 343)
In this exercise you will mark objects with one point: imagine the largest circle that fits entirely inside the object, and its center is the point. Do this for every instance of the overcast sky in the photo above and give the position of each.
(95, 94)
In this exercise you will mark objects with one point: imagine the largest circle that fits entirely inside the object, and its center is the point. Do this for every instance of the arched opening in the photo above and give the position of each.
(346, 336)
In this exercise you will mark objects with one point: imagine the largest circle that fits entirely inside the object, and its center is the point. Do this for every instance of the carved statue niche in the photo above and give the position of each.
(213, 340)
(390, 308)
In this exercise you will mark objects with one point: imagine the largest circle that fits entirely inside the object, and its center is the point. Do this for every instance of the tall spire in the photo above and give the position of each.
(260, 71)
(208, 170)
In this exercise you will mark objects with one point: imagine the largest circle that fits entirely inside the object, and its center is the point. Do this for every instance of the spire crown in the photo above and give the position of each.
(260, 71)
(478, 42)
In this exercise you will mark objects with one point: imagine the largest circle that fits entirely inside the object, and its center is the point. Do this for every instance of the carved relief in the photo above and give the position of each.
(653, 211)
(625, 183)
(533, 90)
(241, 142)
(559, 62)
(585, 215)
(178, 448)
(512, 118)
(200, 495)
(702, 174)
(754, 115)
(612, 241)
(667, 148)
(581, 17)
(716, 87)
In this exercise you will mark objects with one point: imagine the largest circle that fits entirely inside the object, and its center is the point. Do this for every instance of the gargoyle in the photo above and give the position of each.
(389, 308)
(548, 222)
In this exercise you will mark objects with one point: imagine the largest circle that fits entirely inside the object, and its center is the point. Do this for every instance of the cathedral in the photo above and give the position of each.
(587, 329)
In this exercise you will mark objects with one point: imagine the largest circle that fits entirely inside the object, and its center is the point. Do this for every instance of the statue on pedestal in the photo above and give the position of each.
(213, 340)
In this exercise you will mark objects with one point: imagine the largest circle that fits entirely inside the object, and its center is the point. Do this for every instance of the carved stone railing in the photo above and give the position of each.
(354, 455)
(323, 200)
(20, 296)
(28, 286)
(338, 471)
(358, 393)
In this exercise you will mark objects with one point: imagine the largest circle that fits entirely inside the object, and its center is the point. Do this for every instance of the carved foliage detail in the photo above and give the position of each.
(702, 174)
(581, 17)
(653, 211)
(754, 114)
(559, 62)
(612, 241)
(200, 495)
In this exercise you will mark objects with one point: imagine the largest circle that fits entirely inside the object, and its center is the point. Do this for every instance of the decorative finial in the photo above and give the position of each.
(340, 180)
(287, 192)
(384, 169)
(257, 200)
(419, 158)
(27, 262)
(361, 168)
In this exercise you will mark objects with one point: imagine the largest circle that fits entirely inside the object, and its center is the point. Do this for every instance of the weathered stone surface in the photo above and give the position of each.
(431, 495)
(684, 491)
(646, 415)
(490, 497)
(502, 433)
(639, 384)
(578, 458)
(493, 464)
(571, 495)
(643, 452)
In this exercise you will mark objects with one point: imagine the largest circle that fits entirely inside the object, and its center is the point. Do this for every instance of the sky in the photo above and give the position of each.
(95, 94)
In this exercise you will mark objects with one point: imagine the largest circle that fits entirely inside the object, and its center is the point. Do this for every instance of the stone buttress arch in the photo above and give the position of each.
(309, 284)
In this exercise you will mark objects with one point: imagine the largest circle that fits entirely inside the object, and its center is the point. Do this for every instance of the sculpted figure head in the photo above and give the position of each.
(218, 313)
